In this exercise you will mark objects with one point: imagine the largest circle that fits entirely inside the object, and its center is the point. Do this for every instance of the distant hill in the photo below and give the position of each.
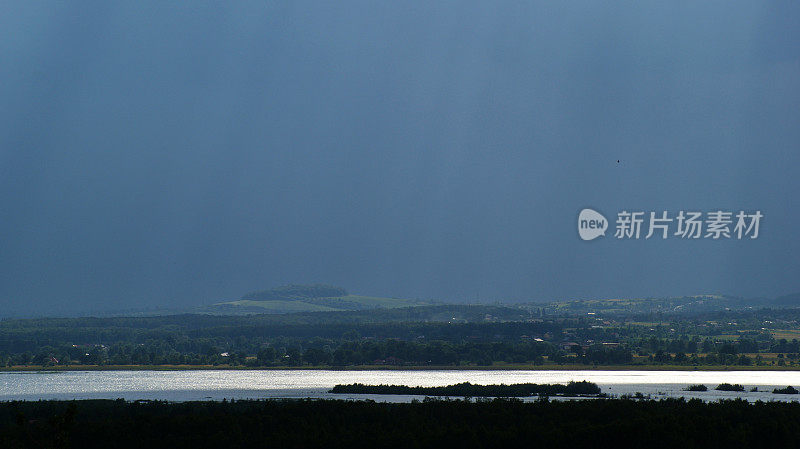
(295, 298)
(296, 292)
(307, 298)
(792, 300)
(678, 305)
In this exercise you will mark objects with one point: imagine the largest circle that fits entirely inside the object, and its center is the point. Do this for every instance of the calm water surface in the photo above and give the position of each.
(219, 384)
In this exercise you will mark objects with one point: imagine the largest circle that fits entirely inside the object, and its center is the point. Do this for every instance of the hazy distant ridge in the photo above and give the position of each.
(295, 292)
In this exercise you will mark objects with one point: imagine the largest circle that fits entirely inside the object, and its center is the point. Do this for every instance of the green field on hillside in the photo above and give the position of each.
(332, 304)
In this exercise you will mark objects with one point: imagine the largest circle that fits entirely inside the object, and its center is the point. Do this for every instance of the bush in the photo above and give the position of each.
(697, 387)
(729, 387)
(788, 390)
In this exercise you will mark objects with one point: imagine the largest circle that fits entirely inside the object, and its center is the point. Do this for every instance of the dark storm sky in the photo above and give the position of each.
(167, 154)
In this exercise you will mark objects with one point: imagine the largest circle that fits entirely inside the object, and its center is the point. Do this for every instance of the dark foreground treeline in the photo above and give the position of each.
(467, 389)
(343, 424)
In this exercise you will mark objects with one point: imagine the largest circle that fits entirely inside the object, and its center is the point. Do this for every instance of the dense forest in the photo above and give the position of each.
(670, 423)
(417, 336)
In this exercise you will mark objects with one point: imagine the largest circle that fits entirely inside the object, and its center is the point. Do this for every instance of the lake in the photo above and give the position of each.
(241, 384)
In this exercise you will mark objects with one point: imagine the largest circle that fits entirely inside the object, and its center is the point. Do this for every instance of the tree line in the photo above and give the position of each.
(466, 389)
(668, 423)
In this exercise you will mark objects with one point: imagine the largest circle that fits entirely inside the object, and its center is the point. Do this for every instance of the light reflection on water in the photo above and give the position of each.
(218, 384)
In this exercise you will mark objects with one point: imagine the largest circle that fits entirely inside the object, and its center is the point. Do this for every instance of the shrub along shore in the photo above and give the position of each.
(582, 388)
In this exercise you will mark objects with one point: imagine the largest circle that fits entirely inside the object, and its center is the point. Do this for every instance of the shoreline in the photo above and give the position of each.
(504, 367)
